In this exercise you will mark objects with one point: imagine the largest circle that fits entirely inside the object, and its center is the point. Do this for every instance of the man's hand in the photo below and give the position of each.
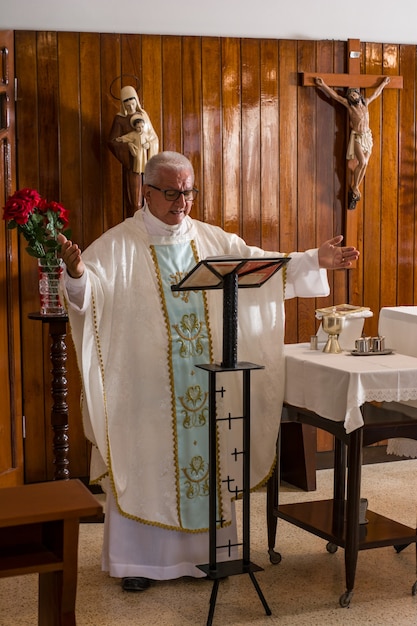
(71, 254)
(333, 256)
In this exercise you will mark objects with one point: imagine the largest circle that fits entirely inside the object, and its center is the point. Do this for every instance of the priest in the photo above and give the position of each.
(145, 401)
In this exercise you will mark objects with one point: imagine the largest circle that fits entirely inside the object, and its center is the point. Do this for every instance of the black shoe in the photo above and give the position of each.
(135, 583)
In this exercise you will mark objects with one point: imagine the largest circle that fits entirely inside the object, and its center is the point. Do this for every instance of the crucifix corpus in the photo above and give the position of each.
(360, 140)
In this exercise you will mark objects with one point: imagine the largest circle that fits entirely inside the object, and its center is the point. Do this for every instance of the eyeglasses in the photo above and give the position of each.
(171, 195)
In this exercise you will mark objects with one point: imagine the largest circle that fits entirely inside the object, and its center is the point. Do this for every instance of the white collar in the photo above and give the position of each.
(154, 226)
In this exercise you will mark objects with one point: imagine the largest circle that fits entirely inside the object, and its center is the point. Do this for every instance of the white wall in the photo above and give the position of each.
(368, 20)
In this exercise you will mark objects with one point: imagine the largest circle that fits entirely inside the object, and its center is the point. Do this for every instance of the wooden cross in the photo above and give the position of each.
(354, 79)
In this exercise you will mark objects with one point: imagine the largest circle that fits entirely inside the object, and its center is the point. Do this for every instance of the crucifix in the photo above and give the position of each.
(360, 142)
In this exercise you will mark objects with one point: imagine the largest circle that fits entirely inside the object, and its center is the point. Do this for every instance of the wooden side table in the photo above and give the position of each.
(59, 391)
(337, 520)
(39, 526)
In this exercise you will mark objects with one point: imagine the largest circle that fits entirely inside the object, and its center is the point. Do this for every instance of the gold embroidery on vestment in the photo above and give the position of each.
(197, 483)
(191, 334)
(174, 280)
(195, 415)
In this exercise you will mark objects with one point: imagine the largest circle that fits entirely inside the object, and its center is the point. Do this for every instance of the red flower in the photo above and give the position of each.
(20, 205)
(38, 220)
(45, 206)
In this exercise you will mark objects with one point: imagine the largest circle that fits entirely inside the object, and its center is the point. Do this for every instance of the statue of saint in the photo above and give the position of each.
(124, 150)
(360, 141)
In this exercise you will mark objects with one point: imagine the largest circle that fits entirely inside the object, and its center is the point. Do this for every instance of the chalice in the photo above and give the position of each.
(332, 324)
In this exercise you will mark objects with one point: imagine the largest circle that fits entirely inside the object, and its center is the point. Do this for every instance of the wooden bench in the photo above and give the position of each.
(39, 525)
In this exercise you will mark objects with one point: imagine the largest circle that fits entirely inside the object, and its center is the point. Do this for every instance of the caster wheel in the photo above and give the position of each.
(274, 557)
(331, 547)
(345, 599)
(414, 589)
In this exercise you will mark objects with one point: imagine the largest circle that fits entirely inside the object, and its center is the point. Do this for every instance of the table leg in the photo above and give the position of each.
(339, 488)
(272, 502)
(340, 459)
(352, 512)
(49, 602)
(58, 590)
(298, 453)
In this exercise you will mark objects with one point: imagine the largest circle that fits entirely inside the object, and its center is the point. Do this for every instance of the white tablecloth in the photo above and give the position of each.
(398, 324)
(336, 385)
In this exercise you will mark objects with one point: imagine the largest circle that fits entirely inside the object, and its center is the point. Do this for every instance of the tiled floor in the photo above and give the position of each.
(303, 589)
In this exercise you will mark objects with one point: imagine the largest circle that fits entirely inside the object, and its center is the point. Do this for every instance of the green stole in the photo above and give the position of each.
(189, 344)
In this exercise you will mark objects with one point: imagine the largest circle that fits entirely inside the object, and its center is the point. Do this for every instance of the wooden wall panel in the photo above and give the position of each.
(324, 142)
(50, 180)
(151, 81)
(192, 99)
(171, 94)
(112, 179)
(30, 115)
(340, 139)
(307, 177)
(210, 181)
(269, 157)
(331, 132)
(69, 112)
(269, 138)
(71, 162)
(389, 164)
(287, 164)
(11, 416)
(327, 223)
(406, 207)
(371, 205)
(230, 148)
(251, 153)
(88, 224)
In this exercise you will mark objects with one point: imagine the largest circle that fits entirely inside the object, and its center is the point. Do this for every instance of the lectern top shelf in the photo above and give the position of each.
(211, 272)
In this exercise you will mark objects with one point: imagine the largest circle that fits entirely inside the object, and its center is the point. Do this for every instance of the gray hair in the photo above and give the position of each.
(165, 160)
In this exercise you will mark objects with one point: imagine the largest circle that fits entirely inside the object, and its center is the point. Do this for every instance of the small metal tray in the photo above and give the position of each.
(370, 353)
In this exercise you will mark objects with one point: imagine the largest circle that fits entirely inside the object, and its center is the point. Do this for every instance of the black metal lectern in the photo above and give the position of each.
(230, 274)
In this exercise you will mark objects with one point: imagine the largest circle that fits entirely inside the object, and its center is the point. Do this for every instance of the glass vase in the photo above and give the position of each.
(49, 275)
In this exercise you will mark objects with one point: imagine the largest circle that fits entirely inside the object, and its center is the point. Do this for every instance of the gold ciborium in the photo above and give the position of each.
(332, 324)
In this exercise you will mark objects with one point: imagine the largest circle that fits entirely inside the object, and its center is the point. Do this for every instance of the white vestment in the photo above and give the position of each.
(120, 334)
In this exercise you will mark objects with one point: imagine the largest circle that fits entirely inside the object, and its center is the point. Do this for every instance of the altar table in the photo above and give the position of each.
(398, 324)
(335, 386)
(339, 393)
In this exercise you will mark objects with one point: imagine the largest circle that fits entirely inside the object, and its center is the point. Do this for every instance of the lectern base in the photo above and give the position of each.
(230, 568)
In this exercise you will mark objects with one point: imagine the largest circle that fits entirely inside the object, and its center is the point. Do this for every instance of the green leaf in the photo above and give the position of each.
(50, 243)
(31, 252)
